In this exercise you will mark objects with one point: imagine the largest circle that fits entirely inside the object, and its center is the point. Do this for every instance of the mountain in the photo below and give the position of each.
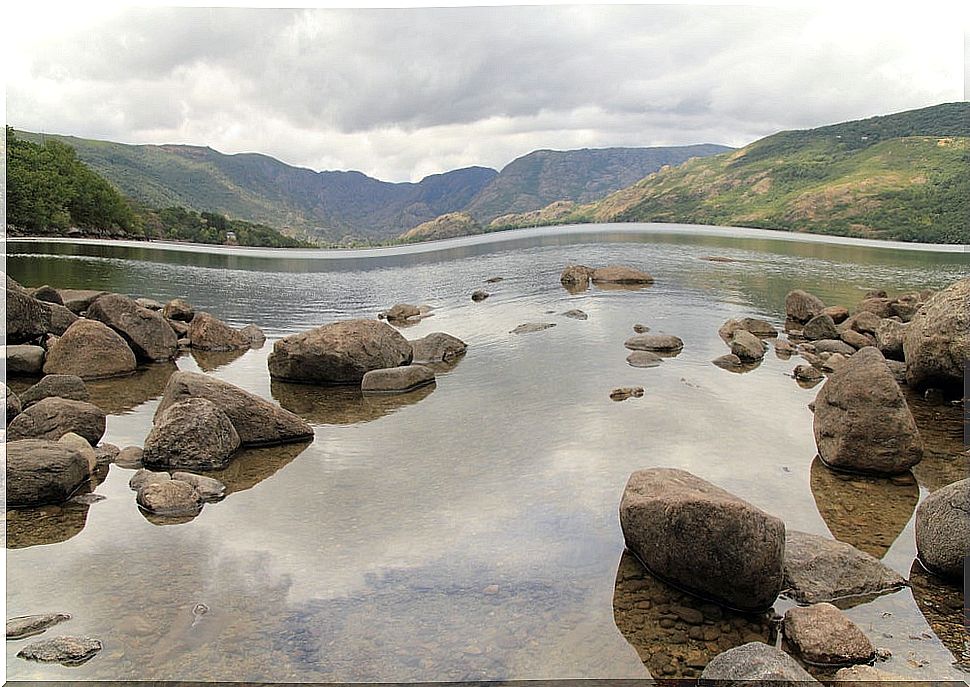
(533, 181)
(903, 176)
(445, 227)
(334, 206)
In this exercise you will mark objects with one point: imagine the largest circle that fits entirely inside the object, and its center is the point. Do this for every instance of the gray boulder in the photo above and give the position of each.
(24, 359)
(802, 306)
(654, 342)
(62, 386)
(209, 333)
(338, 353)
(748, 347)
(819, 569)
(171, 497)
(479, 295)
(807, 373)
(401, 312)
(862, 422)
(838, 313)
(40, 471)
(256, 420)
(943, 529)
(437, 347)
(820, 327)
(755, 665)
(147, 333)
(193, 434)
(397, 379)
(823, 635)
(937, 341)
(90, 350)
(51, 418)
(81, 445)
(703, 539)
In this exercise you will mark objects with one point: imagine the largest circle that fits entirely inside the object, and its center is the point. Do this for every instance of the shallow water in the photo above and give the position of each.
(470, 530)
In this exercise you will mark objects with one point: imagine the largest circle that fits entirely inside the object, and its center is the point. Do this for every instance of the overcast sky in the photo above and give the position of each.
(402, 93)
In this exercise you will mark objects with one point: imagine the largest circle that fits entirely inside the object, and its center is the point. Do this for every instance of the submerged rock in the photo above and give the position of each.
(70, 387)
(40, 471)
(338, 353)
(654, 342)
(437, 347)
(68, 651)
(619, 274)
(53, 417)
(937, 341)
(575, 314)
(943, 529)
(625, 392)
(756, 664)
(30, 625)
(397, 379)
(129, 458)
(193, 434)
(807, 373)
(823, 635)
(862, 422)
(90, 350)
(728, 361)
(643, 359)
(147, 333)
(702, 538)
(531, 327)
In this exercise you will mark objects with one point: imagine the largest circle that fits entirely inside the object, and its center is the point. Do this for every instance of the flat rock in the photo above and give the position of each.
(149, 303)
(644, 359)
(802, 306)
(654, 342)
(209, 488)
(819, 569)
(171, 497)
(90, 350)
(619, 274)
(943, 529)
(625, 392)
(68, 651)
(703, 539)
(857, 339)
(193, 433)
(937, 341)
(40, 471)
(338, 353)
(256, 420)
(30, 625)
(531, 327)
(640, 329)
(833, 346)
(437, 347)
(755, 664)
(397, 379)
(24, 359)
(209, 333)
(52, 417)
(807, 373)
(70, 387)
(862, 422)
(823, 635)
(147, 333)
(575, 314)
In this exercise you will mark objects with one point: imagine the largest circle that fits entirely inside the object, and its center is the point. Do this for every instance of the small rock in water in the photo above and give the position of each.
(494, 280)
(170, 498)
(576, 314)
(641, 328)
(491, 589)
(209, 488)
(142, 478)
(530, 327)
(728, 361)
(644, 359)
(30, 625)
(479, 295)
(68, 651)
(807, 373)
(129, 458)
(105, 454)
(625, 392)
(822, 634)
(654, 342)
(86, 499)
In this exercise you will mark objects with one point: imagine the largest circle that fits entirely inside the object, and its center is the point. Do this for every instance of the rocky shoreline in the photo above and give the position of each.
(677, 527)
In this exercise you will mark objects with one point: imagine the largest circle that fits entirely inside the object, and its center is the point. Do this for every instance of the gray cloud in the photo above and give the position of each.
(406, 92)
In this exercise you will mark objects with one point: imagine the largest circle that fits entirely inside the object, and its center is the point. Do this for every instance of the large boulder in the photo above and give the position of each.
(943, 529)
(24, 359)
(192, 434)
(90, 350)
(820, 569)
(209, 333)
(619, 274)
(63, 386)
(27, 317)
(397, 379)
(755, 664)
(823, 635)
(937, 340)
(51, 418)
(147, 333)
(338, 353)
(862, 422)
(703, 539)
(40, 471)
(802, 306)
(437, 347)
(256, 420)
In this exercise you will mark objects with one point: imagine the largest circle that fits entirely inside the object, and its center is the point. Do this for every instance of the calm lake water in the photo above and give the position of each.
(470, 530)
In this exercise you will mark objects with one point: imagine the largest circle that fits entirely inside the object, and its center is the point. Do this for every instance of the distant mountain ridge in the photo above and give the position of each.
(346, 207)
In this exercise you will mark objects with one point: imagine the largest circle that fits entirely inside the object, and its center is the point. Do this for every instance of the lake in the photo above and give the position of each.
(469, 531)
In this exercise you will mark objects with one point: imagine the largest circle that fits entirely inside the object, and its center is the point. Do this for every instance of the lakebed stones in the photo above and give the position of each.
(68, 651)
(818, 569)
(702, 538)
(664, 343)
(943, 529)
(755, 663)
(823, 635)
(643, 359)
(40, 471)
(862, 422)
(30, 625)
(208, 333)
(802, 306)
(531, 327)
(619, 274)
(256, 420)
(62, 386)
(193, 433)
(746, 346)
(170, 498)
(625, 392)
(397, 379)
(147, 333)
(937, 340)
(338, 353)
(90, 350)
(53, 417)
(437, 347)
(24, 359)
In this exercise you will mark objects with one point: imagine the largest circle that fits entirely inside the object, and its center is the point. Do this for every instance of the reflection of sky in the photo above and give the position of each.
(509, 472)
